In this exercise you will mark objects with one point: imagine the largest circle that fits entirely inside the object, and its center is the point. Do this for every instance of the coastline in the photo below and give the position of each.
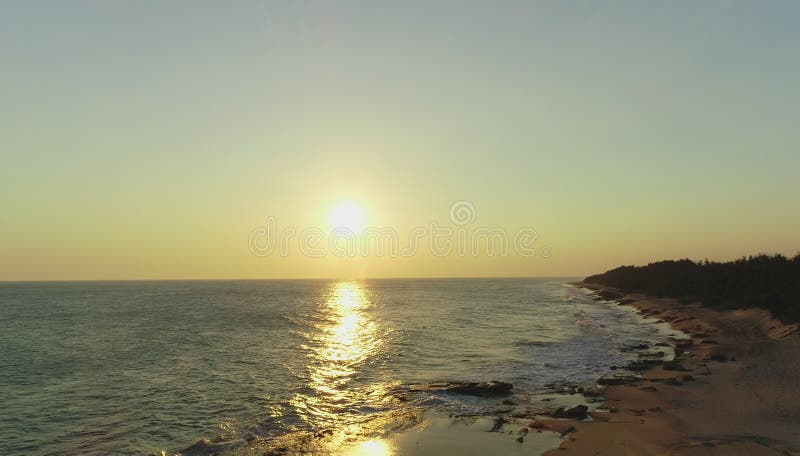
(732, 388)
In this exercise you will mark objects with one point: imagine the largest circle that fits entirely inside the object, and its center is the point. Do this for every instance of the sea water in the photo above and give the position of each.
(141, 367)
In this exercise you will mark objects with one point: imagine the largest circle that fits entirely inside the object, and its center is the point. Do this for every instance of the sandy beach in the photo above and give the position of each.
(733, 389)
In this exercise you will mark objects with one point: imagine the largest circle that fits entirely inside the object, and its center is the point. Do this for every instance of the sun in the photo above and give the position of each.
(347, 216)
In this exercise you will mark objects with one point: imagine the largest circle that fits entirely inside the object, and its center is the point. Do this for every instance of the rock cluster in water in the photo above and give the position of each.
(480, 389)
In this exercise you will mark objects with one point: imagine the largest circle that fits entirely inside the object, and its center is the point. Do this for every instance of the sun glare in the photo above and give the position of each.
(370, 448)
(347, 216)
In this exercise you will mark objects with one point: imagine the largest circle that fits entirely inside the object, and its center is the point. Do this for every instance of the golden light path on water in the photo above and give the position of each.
(346, 337)
(370, 448)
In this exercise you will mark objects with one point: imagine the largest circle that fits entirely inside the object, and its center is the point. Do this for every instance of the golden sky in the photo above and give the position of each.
(143, 142)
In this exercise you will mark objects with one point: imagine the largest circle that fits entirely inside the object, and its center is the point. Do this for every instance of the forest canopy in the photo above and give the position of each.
(766, 281)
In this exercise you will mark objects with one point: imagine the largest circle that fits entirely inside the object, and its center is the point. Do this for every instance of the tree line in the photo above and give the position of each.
(770, 282)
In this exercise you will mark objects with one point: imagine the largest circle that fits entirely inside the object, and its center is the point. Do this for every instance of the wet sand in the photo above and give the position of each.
(441, 434)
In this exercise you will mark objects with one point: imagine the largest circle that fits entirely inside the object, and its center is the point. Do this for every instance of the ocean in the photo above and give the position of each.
(96, 368)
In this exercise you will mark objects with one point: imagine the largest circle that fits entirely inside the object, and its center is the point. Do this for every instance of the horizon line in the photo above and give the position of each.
(276, 279)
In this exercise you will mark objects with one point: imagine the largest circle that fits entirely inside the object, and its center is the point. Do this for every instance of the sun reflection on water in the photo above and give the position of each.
(370, 448)
(345, 337)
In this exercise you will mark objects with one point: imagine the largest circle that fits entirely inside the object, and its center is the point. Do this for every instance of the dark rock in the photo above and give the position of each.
(681, 345)
(204, 447)
(498, 423)
(486, 389)
(644, 364)
(579, 412)
(634, 347)
(674, 366)
(721, 357)
(648, 388)
(489, 389)
(608, 294)
(509, 402)
(618, 380)
(520, 439)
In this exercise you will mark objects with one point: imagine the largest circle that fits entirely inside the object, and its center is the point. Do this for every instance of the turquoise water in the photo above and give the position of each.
(140, 367)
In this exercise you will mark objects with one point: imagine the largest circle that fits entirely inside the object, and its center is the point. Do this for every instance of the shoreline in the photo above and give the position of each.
(732, 388)
(547, 425)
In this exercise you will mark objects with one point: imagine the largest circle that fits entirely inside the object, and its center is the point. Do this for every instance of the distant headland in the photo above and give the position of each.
(770, 282)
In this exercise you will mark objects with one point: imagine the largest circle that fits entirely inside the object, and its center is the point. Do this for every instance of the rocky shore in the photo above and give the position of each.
(733, 388)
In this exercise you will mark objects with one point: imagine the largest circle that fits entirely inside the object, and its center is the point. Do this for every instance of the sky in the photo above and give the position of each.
(150, 140)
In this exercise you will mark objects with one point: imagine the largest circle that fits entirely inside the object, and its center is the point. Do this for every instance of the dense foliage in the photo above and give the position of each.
(771, 282)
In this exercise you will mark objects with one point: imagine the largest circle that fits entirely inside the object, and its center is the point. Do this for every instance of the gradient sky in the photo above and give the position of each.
(145, 140)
